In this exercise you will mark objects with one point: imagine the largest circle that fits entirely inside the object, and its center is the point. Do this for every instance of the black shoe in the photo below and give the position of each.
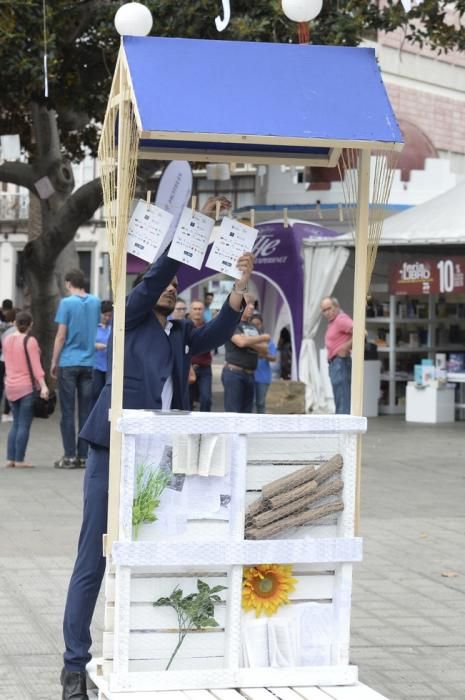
(81, 462)
(67, 463)
(74, 685)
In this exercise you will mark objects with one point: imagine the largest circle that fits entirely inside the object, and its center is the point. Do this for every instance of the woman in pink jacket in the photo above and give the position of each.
(18, 387)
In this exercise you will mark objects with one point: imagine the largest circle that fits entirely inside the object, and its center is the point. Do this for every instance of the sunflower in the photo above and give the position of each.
(266, 587)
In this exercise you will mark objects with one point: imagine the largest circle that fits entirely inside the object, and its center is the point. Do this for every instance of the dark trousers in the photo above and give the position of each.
(201, 389)
(340, 373)
(89, 568)
(74, 382)
(98, 382)
(238, 391)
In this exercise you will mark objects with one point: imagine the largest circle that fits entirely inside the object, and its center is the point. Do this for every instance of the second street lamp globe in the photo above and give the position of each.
(133, 19)
(302, 10)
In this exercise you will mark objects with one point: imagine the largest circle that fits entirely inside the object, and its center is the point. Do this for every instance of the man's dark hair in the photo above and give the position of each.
(76, 278)
(7, 304)
(208, 294)
(23, 321)
(106, 306)
(10, 315)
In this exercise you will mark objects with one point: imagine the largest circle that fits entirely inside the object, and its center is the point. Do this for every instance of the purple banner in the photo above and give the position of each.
(279, 264)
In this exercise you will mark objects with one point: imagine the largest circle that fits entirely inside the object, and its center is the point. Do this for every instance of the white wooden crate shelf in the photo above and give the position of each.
(139, 637)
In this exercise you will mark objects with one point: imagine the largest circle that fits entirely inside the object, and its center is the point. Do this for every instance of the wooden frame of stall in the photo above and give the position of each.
(135, 129)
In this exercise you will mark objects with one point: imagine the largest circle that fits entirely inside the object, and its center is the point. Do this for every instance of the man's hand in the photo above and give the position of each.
(262, 349)
(53, 370)
(245, 266)
(210, 206)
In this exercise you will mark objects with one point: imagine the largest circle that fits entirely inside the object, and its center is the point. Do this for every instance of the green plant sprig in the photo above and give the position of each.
(194, 611)
(149, 487)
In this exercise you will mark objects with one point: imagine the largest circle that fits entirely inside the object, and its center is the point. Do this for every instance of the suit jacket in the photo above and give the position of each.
(148, 351)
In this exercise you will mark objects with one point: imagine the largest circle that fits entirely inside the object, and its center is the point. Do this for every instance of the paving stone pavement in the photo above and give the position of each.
(408, 616)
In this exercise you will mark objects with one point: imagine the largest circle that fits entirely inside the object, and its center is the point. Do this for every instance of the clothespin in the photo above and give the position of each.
(286, 221)
(193, 203)
(341, 213)
(149, 196)
(218, 207)
(252, 217)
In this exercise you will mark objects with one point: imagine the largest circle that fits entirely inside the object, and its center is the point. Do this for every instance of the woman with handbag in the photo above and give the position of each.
(21, 352)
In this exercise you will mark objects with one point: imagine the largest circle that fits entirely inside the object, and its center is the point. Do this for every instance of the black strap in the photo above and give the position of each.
(29, 366)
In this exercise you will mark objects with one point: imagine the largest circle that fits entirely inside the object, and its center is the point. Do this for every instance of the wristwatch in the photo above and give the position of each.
(240, 291)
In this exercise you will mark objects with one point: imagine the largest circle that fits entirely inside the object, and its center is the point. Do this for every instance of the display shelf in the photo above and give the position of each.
(433, 329)
(386, 320)
(260, 451)
(420, 349)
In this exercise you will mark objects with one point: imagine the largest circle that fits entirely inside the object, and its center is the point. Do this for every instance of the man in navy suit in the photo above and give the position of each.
(156, 366)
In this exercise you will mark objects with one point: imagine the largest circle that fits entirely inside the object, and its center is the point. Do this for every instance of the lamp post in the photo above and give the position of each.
(302, 11)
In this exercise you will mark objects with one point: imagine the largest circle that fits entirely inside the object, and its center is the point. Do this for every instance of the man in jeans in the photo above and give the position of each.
(241, 354)
(338, 341)
(73, 357)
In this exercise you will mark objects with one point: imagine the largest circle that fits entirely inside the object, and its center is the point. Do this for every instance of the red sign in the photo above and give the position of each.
(427, 276)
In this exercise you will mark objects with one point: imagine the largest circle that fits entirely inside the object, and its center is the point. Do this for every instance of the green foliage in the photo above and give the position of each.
(194, 611)
(149, 487)
(82, 46)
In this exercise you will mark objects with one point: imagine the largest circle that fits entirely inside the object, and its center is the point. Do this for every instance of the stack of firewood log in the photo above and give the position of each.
(299, 498)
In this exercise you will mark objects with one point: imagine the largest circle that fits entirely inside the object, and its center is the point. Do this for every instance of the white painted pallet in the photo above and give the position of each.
(358, 691)
(139, 638)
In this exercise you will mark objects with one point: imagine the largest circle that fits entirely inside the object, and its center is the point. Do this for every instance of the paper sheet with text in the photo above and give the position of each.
(148, 231)
(234, 239)
(191, 238)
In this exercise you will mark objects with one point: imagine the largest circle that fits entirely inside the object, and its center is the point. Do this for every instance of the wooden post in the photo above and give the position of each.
(360, 292)
(119, 314)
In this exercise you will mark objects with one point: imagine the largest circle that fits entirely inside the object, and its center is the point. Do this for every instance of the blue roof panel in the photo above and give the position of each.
(282, 90)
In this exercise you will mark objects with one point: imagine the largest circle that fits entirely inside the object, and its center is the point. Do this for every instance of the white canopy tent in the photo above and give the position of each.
(439, 221)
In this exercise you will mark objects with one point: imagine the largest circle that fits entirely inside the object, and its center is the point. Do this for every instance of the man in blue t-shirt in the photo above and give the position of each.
(73, 357)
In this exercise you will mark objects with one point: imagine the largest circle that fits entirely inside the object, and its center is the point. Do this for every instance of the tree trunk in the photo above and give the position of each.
(54, 222)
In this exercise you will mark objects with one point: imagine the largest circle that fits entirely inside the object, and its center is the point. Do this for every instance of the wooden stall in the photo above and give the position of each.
(219, 101)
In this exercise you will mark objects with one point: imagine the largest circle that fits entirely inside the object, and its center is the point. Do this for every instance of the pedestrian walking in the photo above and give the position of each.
(19, 387)
(73, 356)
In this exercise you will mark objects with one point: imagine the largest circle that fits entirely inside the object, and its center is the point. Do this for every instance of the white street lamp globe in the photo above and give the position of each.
(133, 19)
(302, 10)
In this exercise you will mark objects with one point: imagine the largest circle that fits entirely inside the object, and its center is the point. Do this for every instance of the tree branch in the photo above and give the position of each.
(77, 210)
(16, 173)
(45, 127)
